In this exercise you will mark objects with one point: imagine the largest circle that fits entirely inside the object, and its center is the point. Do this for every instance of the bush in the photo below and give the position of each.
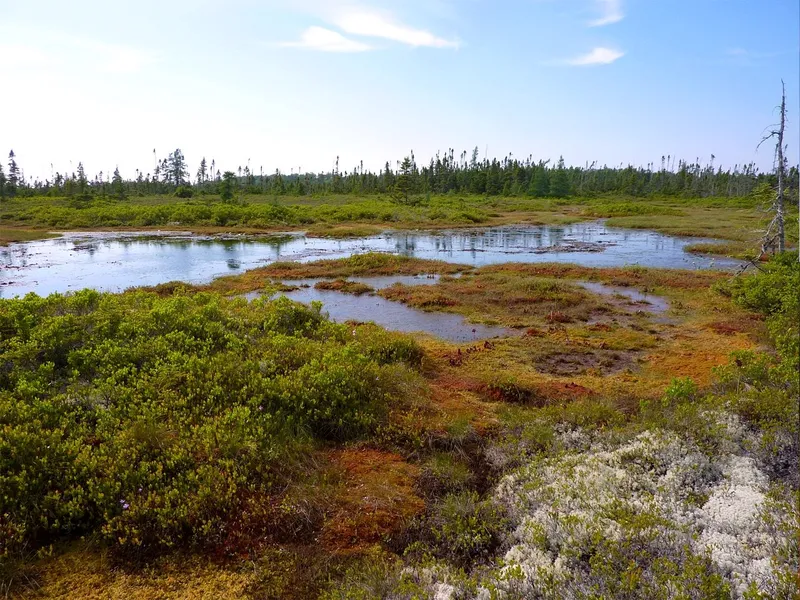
(465, 529)
(184, 191)
(151, 420)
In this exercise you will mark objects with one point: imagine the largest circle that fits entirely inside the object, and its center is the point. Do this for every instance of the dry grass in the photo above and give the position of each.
(91, 575)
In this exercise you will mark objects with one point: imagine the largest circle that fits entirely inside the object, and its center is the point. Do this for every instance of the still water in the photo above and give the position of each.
(116, 261)
(341, 307)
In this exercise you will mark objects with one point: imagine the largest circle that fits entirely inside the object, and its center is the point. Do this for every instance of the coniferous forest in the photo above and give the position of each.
(444, 174)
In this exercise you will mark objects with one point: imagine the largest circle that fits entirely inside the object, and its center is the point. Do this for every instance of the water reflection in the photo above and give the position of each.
(115, 261)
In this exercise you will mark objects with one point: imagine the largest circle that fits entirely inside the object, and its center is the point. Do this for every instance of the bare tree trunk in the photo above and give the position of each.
(776, 232)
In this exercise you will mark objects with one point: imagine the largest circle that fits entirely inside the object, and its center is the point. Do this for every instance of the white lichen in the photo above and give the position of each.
(656, 489)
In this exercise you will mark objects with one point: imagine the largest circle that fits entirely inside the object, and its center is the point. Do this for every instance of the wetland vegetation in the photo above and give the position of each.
(631, 433)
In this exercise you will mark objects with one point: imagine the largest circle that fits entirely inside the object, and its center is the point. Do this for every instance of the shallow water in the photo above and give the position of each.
(396, 316)
(343, 307)
(635, 299)
(115, 261)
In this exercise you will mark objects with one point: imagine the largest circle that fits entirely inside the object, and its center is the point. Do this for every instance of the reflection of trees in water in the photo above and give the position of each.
(406, 245)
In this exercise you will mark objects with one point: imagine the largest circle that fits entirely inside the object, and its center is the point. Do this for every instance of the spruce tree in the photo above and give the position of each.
(117, 185)
(201, 172)
(559, 186)
(227, 185)
(540, 184)
(402, 184)
(13, 174)
(2, 183)
(83, 184)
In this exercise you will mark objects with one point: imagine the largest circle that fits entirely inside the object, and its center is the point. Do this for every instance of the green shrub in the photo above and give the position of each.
(150, 420)
(184, 191)
(465, 529)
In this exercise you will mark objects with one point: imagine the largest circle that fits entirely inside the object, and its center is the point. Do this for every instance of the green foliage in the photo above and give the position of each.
(151, 420)
(117, 185)
(227, 186)
(680, 391)
(773, 292)
(465, 529)
(444, 473)
(184, 191)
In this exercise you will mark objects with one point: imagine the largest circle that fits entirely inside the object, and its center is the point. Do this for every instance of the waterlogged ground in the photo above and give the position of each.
(342, 307)
(549, 444)
(552, 463)
(116, 261)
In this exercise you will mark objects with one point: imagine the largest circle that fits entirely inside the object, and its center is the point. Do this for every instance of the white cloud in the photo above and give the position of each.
(372, 24)
(598, 56)
(611, 12)
(325, 40)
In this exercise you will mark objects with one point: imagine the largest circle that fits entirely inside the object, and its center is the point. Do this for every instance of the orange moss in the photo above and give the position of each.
(374, 500)
(694, 353)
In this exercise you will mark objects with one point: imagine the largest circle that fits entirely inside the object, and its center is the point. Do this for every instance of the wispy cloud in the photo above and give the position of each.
(326, 40)
(611, 12)
(598, 56)
(373, 24)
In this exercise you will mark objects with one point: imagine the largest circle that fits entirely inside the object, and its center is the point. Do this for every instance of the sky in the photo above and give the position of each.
(292, 84)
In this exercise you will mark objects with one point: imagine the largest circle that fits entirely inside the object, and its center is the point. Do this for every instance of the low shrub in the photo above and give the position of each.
(153, 419)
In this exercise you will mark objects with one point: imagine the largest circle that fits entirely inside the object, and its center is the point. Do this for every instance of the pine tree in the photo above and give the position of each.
(117, 185)
(2, 183)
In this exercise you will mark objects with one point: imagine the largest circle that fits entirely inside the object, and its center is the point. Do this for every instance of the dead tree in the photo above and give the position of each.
(775, 236)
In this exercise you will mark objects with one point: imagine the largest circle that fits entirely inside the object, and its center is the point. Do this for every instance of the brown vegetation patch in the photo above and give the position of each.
(581, 360)
(626, 276)
(748, 324)
(376, 497)
(347, 287)
(565, 392)
(505, 298)
(421, 296)
(368, 264)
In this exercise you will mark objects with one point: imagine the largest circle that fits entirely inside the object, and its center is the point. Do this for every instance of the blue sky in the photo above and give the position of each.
(292, 84)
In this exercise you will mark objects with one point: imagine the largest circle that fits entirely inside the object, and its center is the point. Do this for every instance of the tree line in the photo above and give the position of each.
(444, 174)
